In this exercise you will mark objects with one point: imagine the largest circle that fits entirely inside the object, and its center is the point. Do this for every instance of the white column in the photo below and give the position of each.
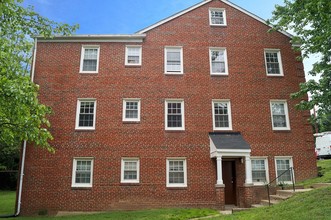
(219, 170)
(248, 169)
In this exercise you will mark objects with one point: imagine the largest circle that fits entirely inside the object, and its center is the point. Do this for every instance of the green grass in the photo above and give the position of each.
(156, 214)
(314, 204)
(7, 202)
(324, 170)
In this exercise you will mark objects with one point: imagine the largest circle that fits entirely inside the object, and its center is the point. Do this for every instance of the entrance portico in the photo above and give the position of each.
(230, 149)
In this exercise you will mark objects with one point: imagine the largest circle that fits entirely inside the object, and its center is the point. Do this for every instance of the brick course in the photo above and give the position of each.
(47, 181)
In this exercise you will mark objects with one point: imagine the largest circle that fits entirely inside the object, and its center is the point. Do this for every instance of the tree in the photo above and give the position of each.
(310, 21)
(22, 116)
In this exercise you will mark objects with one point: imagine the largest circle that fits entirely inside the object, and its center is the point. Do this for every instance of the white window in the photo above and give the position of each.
(273, 62)
(279, 115)
(217, 17)
(260, 173)
(82, 172)
(174, 115)
(89, 62)
(218, 61)
(173, 60)
(130, 170)
(222, 115)
(176, 172)
(131, 110)
(133, 55)
(85, 114)
(283, 171)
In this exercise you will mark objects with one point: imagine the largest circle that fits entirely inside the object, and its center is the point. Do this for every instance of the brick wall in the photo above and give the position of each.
(47, 181)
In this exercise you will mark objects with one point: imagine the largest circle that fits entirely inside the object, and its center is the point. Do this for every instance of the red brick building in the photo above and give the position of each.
(193, 111)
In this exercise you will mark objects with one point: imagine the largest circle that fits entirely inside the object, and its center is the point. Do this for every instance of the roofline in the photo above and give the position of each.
(95, 38)
(172, 17)
(205, 2)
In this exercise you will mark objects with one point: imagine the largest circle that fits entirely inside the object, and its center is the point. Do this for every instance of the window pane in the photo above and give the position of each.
(90, 59)
(174, 117)
(173, 61)
(176, 171)
(131, 109)
(86, 115)
(83, 172)
(258, 171)
(282, 166)
(221, 115)
(217, 17)
(278, 115)
(272, 63)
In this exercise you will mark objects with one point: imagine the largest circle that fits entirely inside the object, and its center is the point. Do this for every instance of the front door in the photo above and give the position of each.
(229, 180)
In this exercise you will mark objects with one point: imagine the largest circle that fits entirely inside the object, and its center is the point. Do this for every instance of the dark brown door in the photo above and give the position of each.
(229, 179)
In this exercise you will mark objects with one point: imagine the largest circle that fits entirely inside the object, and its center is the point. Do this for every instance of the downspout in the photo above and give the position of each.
(19, 199)
(21, 180)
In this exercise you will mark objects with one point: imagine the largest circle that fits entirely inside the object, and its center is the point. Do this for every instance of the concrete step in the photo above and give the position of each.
(278, 197)
(320, 185)
(257, 206)
(285, 193)
(272, 202)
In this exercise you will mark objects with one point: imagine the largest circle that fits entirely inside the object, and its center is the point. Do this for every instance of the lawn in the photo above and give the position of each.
(324, 167)
(7, 202)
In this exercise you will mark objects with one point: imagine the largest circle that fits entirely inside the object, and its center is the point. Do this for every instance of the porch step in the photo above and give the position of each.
(266, 202)
(278, 197)
(257, 206)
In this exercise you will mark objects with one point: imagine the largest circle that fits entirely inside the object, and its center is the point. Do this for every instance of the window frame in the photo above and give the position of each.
(127, 55)
(228, 102)
(74, 167)
(266, 165)
(287, 118)
(182, 128)
(290, 158)
(79, 101)
(212, 49)
(218, 10)
(130, 159)
(179, 185)
(125, 100)
(173, 48)
(82, 58)
(280, 63)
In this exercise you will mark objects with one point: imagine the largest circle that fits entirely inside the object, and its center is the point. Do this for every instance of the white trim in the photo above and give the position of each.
(74, 166)
(227, 101)
(137, 38)
(225, 61)
(173, 17)
(175, 49)
(130, 159)
(125, 100)
(126, 55)
(201, 4)
(218, 10)
(284, 102)
(82, 58)
(290, 158)
(77, 127)
(280, 63)
(166, 114)
(184, 170)
(266, 165)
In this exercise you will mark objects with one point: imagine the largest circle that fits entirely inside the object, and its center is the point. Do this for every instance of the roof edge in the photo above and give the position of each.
(165, 20)
(203, 3)
(94, 38)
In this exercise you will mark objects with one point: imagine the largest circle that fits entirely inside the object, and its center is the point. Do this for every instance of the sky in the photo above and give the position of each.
(130, 16)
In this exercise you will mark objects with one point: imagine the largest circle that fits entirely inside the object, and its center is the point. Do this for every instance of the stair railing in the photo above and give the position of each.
(292, 178)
